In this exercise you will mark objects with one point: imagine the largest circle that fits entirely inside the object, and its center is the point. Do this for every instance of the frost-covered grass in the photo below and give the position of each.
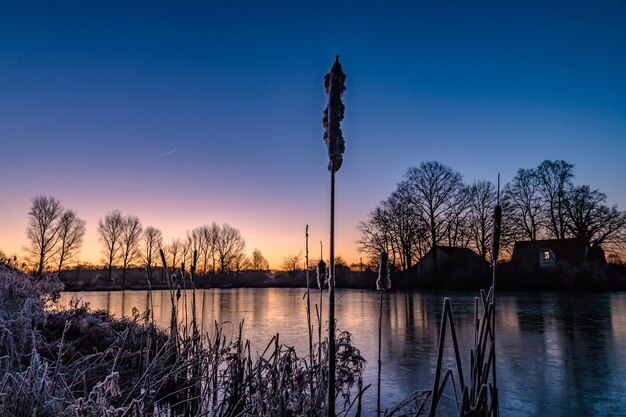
(83, 363)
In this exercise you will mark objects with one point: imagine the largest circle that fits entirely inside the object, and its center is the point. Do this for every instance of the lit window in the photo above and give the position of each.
(546, 255)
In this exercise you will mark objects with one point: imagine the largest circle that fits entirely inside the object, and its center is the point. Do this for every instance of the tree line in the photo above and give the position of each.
(432, 206)
(55, 236)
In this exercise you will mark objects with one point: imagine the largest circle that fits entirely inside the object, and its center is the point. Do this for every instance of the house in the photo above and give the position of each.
(553, 252)
(457, 268)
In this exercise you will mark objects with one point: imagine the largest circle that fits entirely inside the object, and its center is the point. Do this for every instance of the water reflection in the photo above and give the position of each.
(558, 355)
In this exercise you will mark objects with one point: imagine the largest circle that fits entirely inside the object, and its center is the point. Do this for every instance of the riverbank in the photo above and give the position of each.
(136, 279)
(607, 277)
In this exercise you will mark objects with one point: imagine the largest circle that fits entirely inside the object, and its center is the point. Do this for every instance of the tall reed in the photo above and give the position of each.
(334, 84)
(322, 279)
(383, 283)
(308, 295)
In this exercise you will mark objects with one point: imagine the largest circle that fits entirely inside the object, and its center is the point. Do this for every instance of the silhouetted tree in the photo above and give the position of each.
(433, 188)
(186, 252)
(210, 235)
(229, 245)
(405, 228)
(241, 263)
(396, 228)
(376, 234)
(129, 243)
(259, 262)
(110, 233)
(555, 178)
(174, 252)
(432, 205)
(457, 225)
(195, 242)
(291, 263)
(42, 230)
(71, 230)
(523, 199)
(482, 202)
(591, 219)
(153, 240)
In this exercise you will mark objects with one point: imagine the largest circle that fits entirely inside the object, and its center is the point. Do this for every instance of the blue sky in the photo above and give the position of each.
(93, 94)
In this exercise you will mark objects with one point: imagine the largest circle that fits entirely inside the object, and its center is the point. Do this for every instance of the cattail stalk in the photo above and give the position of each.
(495, 251)
(383, 283)
(331, 301)
(308, 296)
(333, 115)
(321, 281)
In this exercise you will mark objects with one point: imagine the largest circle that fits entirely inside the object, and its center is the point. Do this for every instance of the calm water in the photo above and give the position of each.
(557, 355)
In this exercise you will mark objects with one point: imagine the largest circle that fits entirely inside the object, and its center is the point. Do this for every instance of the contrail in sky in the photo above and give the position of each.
(167, 153)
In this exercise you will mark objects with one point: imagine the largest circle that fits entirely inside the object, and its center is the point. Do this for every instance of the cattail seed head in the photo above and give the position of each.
(495, 237)
(334, 84)
(322, 274)
(384, 275)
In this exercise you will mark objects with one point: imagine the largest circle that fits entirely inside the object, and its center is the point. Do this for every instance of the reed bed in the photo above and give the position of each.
(82, 363)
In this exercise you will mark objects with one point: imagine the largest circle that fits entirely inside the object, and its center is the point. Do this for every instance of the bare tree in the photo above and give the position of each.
(174, 252)
(229, 245)
(457, 224)
(433, 187)
(199, 244)
(555, 178)
(71, 230)
(405, 227)
(129, 243)
(376, 235)
(110, 233)
(591, 219)
(210, 234)
(241, 263)
(259, 262)
(42, 230)
(291, 263)
(482, 202)
(212, 237)
(394, 227)
(153, 240)
(186, 253)
(523, 198)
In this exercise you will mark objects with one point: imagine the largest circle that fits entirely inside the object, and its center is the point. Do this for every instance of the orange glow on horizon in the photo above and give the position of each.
(274, 238)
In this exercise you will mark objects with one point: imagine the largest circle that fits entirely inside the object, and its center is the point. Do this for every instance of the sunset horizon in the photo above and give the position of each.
(319, 209)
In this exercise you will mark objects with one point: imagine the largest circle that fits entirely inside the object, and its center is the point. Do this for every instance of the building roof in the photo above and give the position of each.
(454, 254)
(572, 251)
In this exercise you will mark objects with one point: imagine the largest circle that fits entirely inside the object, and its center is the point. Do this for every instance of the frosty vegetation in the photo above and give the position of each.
(82, 363)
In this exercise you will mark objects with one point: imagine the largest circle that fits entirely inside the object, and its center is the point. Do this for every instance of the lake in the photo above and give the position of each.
(557, 354)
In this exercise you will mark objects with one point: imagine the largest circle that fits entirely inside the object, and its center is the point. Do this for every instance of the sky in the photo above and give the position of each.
(188, 113)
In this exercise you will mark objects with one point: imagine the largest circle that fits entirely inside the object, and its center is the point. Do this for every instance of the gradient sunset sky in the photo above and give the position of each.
(186, 113)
